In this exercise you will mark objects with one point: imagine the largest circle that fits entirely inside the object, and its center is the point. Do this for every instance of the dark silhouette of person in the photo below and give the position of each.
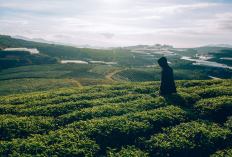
(167, 85)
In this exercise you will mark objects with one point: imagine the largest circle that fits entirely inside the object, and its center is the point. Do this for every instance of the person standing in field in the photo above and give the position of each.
(167, 85)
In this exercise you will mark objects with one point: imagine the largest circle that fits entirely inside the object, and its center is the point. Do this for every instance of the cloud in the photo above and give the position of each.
(143, 21)
(30, 31)
(185, 8)
(63, 36)
(27, 5)
(13, 21)
(76, 23)
(170, 8)
(108, 35)
(224, 21)
(217, 25)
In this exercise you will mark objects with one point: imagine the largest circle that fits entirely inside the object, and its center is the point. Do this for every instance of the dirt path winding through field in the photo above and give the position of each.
(78, 83)
(109, 75)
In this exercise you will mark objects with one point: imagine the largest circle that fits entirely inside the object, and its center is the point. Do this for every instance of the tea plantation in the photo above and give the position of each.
(121, 119)
(35, 78)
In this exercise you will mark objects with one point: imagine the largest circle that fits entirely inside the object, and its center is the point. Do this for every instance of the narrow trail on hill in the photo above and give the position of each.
(109, 75)
(78, 83)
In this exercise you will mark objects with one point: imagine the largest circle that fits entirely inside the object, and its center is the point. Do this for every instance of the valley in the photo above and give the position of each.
(68, 101)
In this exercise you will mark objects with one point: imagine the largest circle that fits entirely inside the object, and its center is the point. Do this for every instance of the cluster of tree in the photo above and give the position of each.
(202, 70)
(219, 72)
(14, 62)
(226, 53)
(27, 60)
(10, 59)
(187, 70)
(188, 52)
(5, 54)
(184, 64)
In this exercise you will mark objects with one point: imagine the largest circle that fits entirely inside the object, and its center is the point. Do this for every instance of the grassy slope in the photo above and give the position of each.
(28, 85)
(34, 78)
(86, 120)
(152, 74)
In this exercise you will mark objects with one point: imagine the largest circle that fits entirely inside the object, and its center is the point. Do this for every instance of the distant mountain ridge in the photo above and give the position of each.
(219, 45)
(212, 48)
(41, 40)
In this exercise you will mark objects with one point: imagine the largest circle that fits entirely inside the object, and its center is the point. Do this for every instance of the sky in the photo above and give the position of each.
(180, 23)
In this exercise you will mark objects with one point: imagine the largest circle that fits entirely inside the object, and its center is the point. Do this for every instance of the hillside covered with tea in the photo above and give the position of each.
(121, 119)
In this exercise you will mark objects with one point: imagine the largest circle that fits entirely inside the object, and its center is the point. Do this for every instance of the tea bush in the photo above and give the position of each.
(121, 119)
(216, 109)
(189, 139)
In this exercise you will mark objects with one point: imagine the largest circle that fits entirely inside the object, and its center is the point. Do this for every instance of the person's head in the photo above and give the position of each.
(162, 61)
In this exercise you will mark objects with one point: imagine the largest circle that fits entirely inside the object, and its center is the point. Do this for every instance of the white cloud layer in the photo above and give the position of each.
(119, 22)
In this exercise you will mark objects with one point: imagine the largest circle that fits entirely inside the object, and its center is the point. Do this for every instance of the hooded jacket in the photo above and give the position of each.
(167, 85)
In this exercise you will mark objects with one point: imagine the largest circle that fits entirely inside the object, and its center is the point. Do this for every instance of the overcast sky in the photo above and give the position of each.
(181, 23)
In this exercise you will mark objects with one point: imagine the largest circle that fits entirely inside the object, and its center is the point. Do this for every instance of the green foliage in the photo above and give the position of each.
(138, 61)
(3, 54)
(182, 99)
(122, 119)
(180, 74)
(116, 109)
(200, 83)
(28, 85)
(73, 103)
(61, 143)
(214, 92)
(137, 75)
(152, 74)
(222, 54)
(103, 70)
(34, 77)
(222, 153)
(217, 109)
(188, 52)
(107, 55)
(8, 62)
(12, 126)
(228, 123)
(131, 151)
(38, 59)
(14, 62)
(90, 82)
(10, 59)
(189, 139)
(51, 71)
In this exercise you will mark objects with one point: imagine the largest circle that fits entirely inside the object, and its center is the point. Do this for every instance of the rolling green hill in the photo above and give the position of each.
(65, 52)
(122, 119)
(34, 78)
